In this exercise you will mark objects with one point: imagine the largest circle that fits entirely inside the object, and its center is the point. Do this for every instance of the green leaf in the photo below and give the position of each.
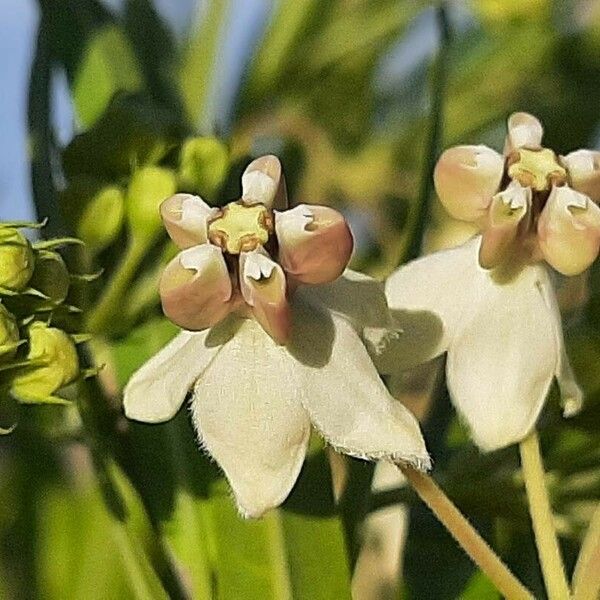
(199, 61)
(107, 66)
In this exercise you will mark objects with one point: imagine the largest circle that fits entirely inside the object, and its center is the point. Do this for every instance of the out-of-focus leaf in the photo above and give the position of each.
(198, 62)
(479, 587)
(107, 66)
(132, 132)
(155, 49)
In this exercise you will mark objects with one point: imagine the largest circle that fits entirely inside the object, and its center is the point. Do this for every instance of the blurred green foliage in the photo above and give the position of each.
(93, 506)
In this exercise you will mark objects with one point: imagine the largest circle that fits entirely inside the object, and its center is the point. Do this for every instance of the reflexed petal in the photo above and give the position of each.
(428, 298)
(569, 231)
(157, 390)
(466, 178)
(264, 183)
(249, 416)
(502, 361)
(570, 392)
(315, 243)
(185, 218)
(524, 131)
(263, 285)
(584, 172)
(351, 407)
(195, 288)
(506, 212)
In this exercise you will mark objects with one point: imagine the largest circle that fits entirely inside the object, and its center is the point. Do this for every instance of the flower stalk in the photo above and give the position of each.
(586, 581)
(466, 535)
(541, 516)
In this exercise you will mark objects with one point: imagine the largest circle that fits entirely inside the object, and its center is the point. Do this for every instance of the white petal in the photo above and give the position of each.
(361, 300)
(347, 400)
(524, 131)
(570, 392)
(428, 297)
(502, 362)
(248, 415)
(157, 390)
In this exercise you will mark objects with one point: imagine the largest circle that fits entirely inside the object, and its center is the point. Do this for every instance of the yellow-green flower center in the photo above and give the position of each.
(537, 169)
(241, 228)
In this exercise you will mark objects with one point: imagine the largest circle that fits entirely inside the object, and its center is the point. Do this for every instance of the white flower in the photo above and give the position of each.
(268, 360)
(490, 303)
(502, 332)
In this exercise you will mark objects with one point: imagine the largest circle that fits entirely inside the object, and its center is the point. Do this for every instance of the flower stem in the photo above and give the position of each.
(541, 516)
(586, 579)
(109, 305)
(466, 535)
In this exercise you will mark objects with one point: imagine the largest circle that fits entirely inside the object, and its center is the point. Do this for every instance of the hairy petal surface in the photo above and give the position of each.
(351, 407)
(195, 288)
(569, 231)
(186, 219)
(157, 390)
(466, 178)
(248, 414)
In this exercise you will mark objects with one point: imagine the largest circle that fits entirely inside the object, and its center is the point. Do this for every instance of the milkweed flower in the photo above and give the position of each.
(267, 350)
(493, 297)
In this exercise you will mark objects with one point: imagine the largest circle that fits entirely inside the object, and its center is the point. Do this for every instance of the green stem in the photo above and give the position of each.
(110, 303)
(439, 76)
(541, 516)
(466, 535)
(586, 578)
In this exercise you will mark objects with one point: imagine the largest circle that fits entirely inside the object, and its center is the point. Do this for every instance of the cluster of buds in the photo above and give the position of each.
(37, 359)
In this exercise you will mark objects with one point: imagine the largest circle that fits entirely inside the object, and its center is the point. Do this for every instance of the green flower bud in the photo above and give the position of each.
(16, 259)
(203, 165)
(55, 360)
(148, 187)
(102, 218)
(50, 276)
(9, 333)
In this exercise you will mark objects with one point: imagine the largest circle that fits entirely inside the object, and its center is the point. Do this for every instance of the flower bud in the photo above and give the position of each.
(466, 178)
(9, 333)
(51, 277)
(102, 219)
(55, 364)
(148, 187)
(16, 259)
(203, 164)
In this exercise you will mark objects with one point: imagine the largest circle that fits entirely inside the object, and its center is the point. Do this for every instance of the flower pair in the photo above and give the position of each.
(271, 345)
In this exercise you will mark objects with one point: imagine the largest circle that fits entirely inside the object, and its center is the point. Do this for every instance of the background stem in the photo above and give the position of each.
(541, 516)
(465, 534)
(586, 578)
